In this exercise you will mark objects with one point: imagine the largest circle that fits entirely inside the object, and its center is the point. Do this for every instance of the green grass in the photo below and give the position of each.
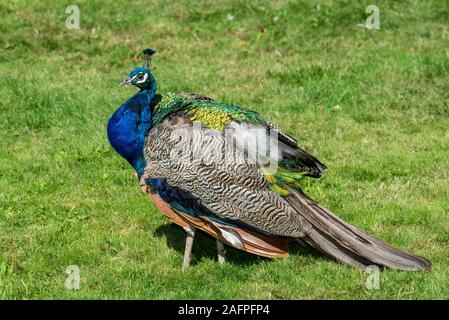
(372, 104)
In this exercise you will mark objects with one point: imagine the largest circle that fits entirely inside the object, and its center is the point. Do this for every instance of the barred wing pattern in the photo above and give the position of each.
(232, 191)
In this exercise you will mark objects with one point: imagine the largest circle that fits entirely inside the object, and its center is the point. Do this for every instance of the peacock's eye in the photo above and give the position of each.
(140, 77)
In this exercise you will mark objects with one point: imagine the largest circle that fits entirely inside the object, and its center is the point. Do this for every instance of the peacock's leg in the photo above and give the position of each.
(221, 252)
(190, 234)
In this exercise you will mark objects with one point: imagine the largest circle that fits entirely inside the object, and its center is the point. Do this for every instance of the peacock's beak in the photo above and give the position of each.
(125, 82)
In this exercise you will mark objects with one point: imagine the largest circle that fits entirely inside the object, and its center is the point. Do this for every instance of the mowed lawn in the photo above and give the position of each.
(371, 104)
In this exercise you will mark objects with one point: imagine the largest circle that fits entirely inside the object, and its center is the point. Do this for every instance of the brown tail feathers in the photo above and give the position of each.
(346, 243)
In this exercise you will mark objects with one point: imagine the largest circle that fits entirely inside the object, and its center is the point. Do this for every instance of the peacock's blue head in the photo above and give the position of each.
(141, 77)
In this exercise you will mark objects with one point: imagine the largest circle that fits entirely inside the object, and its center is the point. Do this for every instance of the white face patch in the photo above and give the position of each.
(145, 78)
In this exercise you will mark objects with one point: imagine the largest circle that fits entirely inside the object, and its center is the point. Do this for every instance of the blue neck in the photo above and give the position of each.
(129, 125)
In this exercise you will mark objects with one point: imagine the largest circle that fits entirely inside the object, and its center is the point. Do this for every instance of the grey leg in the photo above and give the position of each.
(221, 252)
(190, 234)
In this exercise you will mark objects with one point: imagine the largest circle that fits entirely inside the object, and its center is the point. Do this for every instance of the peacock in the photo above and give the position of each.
(227, 171)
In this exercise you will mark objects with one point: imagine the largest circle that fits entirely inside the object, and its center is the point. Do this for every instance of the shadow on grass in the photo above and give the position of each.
(205, 247)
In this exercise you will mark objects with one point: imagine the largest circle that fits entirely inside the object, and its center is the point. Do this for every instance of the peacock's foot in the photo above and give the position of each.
(190, 235)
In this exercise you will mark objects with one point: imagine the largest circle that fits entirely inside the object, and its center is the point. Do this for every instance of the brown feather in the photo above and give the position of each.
(344, 242)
